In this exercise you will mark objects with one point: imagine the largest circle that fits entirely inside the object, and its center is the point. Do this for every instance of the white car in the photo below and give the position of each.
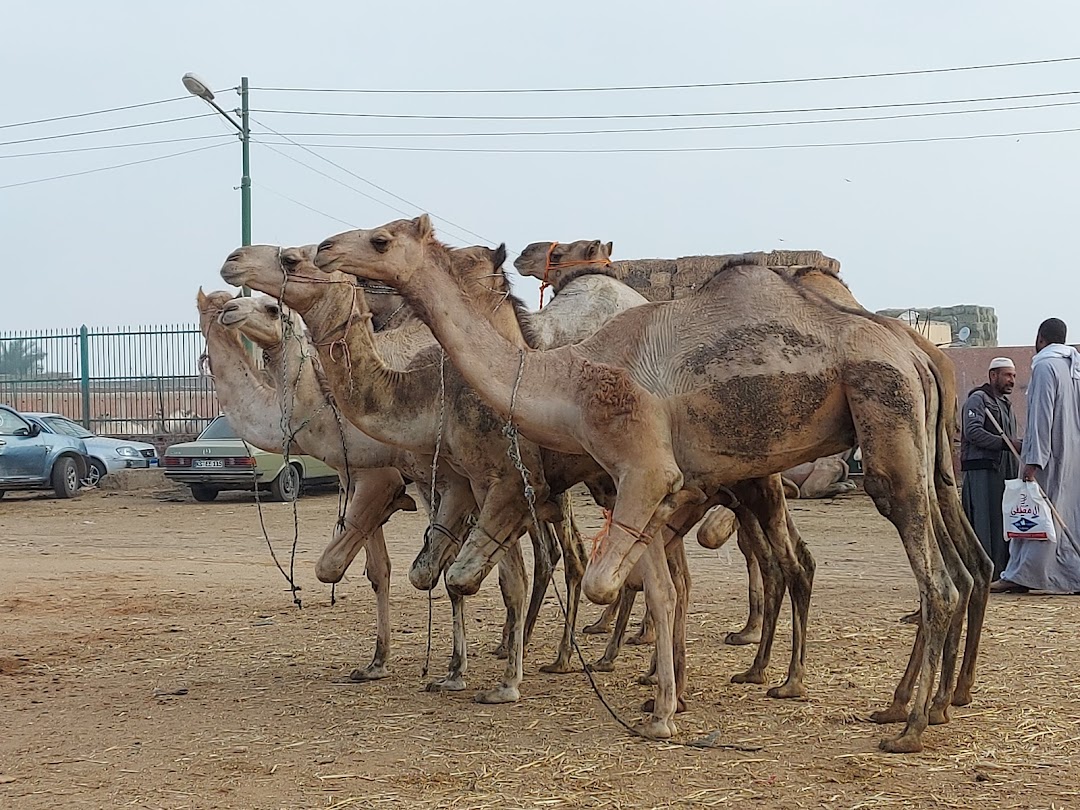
(106, 455)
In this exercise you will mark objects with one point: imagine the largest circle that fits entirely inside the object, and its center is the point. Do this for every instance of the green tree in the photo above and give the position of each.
(18, 358)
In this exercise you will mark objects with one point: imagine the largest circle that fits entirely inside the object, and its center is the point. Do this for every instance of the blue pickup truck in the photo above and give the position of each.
(33, 459)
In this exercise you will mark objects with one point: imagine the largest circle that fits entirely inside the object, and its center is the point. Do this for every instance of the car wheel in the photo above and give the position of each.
(203, 493)
(94, 474)
(65, 478)
(286, 487)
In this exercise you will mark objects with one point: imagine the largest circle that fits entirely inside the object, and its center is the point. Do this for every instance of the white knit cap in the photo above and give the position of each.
(1001, 362)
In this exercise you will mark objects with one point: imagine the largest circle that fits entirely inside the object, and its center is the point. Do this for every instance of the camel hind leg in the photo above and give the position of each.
(512, 580)
(751, 631)
(623, 608)
(772, 576)
(574, 561)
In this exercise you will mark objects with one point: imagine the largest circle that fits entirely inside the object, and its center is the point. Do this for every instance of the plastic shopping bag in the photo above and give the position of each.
(1026, 512)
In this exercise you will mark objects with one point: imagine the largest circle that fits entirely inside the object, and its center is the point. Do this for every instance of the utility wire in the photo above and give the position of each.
(762, 148)
(110, 168)
(714, 114)
(108, 129)
(116, 146)
(690, 128)
(302, 204)
(93, 112)
(752, 83)
(386, 191)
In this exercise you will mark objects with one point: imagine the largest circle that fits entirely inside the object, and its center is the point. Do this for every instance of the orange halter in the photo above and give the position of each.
(548, 267)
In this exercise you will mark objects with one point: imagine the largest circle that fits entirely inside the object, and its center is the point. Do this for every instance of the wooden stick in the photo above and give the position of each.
(1015, 452)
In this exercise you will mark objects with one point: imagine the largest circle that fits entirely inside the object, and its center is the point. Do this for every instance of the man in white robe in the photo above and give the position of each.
(1051, 456)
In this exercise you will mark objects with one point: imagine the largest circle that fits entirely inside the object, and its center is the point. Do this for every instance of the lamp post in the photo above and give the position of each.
(197, 87)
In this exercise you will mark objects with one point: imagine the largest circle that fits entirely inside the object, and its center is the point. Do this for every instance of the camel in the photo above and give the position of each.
(822, 478)
(371, 473)
(746, 378)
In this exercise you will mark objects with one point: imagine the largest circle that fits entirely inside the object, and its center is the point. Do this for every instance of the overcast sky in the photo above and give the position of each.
(986, 222)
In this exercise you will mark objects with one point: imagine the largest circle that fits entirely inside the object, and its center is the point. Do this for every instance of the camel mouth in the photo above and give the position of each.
(233, 273)
(231, 316)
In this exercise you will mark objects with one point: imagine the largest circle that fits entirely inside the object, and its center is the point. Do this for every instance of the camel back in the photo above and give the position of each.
(668, 279)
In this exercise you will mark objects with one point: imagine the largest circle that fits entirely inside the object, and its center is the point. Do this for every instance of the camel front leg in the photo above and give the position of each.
(513, 581)
(377, 570)
(454, 679)
(603, 624)
(623, 609)
(574, 561)
(545, 558)
(774, 587)
(661, 597)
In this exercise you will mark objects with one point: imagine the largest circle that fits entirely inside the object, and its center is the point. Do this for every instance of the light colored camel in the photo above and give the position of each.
(822, 478)
(744, 379)
(404, 406)
(370, 472)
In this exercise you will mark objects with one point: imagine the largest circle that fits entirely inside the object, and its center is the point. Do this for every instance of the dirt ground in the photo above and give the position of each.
(150, 657)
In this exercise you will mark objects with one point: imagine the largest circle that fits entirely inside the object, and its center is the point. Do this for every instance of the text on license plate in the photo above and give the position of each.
(204, 463)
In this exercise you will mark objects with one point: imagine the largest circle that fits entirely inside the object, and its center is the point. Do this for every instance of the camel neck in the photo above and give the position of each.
(393, 407)
(252, 404)
(501, 371)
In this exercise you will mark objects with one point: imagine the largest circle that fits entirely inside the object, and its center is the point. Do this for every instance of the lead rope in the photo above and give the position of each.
(709, 740)
(431, 502)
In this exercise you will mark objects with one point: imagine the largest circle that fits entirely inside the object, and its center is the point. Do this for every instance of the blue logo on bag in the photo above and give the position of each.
(1025, 525)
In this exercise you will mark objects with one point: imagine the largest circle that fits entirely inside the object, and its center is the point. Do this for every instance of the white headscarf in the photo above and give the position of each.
(1060, 350)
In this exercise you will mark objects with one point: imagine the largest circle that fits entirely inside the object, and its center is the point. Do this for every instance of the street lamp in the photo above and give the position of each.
(197, 87)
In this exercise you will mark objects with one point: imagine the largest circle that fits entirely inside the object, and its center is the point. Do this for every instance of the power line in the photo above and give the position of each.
(93, 112)
(761, 148)
(304, 205)
(691, 128)
(108, 129)
(110, 168)
(751, 83)
(713, 114)
(116, 146)
(386, 191)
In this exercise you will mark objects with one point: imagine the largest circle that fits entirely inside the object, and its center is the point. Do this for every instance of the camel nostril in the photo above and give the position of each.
(326, 244)
(233, 257)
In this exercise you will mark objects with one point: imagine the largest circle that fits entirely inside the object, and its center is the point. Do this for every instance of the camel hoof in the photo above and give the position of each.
(648, 679)
(750, 676)
(961, 697)
(641, 639)
(597, 629)
(939, 715)
(602, 665)
(501, 652)
(743, 637)
(908, 743)
(655, 729)
(893, 714)
(558, 667)
(372, 672)
(648, 706)
(447, 683)
(788, 691)
(500, 694)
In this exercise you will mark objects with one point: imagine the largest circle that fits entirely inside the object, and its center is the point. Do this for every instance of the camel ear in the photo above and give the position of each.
(201, 299)
(609, 248)
(498, 256)
(423, 226)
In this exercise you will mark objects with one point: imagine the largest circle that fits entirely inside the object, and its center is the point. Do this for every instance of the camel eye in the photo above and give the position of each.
(380, 243)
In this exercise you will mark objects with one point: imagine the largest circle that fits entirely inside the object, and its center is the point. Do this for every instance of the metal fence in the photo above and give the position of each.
(121, 381)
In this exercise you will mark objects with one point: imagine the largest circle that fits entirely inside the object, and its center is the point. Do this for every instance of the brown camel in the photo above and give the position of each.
(744, 379)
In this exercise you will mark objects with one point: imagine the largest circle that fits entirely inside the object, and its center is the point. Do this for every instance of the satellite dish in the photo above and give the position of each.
(963, 334)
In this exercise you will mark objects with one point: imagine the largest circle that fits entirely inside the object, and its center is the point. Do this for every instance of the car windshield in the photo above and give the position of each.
(219, 429)
(66, 427)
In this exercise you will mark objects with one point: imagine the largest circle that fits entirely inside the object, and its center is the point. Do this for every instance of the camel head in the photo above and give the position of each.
(210, 306)
(284, 273)
(389, 254)
(555, 263)
(261, 319)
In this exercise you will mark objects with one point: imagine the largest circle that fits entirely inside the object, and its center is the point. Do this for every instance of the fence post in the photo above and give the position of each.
(84, 374)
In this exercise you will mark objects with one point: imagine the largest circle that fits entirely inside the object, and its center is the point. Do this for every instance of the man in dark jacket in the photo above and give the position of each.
(986, 460)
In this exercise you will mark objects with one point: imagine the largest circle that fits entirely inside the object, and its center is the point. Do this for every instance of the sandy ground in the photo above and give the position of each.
(113, 601)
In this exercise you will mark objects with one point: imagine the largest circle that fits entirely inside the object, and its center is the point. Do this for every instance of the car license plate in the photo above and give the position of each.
(208, 463)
